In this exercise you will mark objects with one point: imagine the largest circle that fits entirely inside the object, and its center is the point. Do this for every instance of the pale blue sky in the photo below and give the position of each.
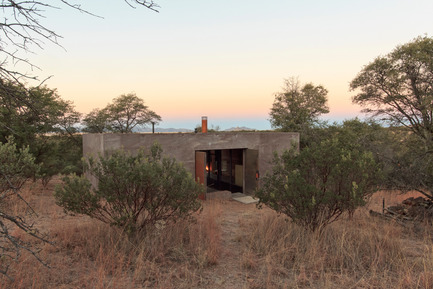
(224, 59)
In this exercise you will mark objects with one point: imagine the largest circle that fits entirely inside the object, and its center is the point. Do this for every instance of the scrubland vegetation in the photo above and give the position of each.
(229, 245)
(155, 233)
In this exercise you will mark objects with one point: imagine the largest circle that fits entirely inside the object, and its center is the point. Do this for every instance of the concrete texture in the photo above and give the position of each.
(258, 147)
(244, 199)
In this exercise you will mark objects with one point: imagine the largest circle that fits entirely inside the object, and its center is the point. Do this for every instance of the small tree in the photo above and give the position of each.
(127, 111)
(96, 121)
(297, 108)
(58, 154)
(40, 119)
(133, 192)
(321, 182)
(16, 167)
(398, 88)
(122, 115)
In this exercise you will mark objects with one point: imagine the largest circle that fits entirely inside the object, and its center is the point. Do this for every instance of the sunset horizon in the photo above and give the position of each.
(194, 59)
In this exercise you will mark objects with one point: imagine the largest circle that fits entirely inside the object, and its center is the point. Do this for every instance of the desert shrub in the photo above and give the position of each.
(57, 154)
(16, 167)
(133, 191)
(325, 179)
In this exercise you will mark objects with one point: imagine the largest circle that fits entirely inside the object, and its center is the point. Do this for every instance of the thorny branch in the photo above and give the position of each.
(22, 29)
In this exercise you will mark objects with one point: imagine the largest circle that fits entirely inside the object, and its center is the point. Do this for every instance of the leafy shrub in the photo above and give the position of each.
(57, 154)
(314, 187)
(16, 167)
(133, 192)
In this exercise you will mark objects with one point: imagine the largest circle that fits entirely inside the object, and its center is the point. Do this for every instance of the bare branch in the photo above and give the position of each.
(148, 4)
(22, 30)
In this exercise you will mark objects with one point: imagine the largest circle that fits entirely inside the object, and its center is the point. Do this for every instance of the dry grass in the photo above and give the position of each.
(90, 254)
(359, 253)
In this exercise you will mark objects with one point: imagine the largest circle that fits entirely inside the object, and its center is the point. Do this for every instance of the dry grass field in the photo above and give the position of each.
(230, 245)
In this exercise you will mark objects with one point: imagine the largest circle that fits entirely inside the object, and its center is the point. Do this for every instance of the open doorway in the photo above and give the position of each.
(223, 169)
(234, 170)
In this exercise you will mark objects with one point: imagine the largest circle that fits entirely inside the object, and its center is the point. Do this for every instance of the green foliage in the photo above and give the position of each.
(408, 166)
(123, 115)
(27, 113)
(58, 154)
(298, 108)
(40, 119)
(96, 121)
(133, 192)
(328, 177)
(398, 87)
(16, 167)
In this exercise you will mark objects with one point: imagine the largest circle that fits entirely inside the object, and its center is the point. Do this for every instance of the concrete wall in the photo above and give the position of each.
(182, 146)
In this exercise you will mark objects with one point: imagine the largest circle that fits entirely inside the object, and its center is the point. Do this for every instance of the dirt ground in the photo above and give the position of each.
(230, 272)
(234, 268)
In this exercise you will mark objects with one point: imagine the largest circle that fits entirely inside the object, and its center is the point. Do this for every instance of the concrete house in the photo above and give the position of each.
(232, 161)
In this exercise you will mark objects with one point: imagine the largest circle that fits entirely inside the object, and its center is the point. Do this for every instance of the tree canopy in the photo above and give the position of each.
(27, 113)
(96, 121)
(298, 107)
(122, 115)
(38, 118)
(398, 87)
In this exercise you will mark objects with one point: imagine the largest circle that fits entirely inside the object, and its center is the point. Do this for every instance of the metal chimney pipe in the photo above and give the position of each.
(204, 124)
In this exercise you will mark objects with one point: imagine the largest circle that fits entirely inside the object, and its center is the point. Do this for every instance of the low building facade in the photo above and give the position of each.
(232, 161)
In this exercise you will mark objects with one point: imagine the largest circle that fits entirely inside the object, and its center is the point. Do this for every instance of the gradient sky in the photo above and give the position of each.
(223, 59)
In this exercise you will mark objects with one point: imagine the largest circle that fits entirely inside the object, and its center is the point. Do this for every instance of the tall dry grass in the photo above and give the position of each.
(90, 254)
(364, 252)
(360, 253)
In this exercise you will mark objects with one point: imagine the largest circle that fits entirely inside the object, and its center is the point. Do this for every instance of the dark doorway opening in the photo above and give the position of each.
(225, 170)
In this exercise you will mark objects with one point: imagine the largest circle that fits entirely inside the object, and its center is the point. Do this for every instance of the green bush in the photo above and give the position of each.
(325, 179)
(57, 154)
(16, 167)
(133, 191)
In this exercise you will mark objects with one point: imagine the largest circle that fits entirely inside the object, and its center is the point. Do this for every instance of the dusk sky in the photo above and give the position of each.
(222, 59)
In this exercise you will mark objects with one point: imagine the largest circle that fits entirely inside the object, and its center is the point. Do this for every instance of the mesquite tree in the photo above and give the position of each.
(125, 113)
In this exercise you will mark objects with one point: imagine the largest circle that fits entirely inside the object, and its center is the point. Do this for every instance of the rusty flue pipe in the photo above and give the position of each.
(204, 124)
